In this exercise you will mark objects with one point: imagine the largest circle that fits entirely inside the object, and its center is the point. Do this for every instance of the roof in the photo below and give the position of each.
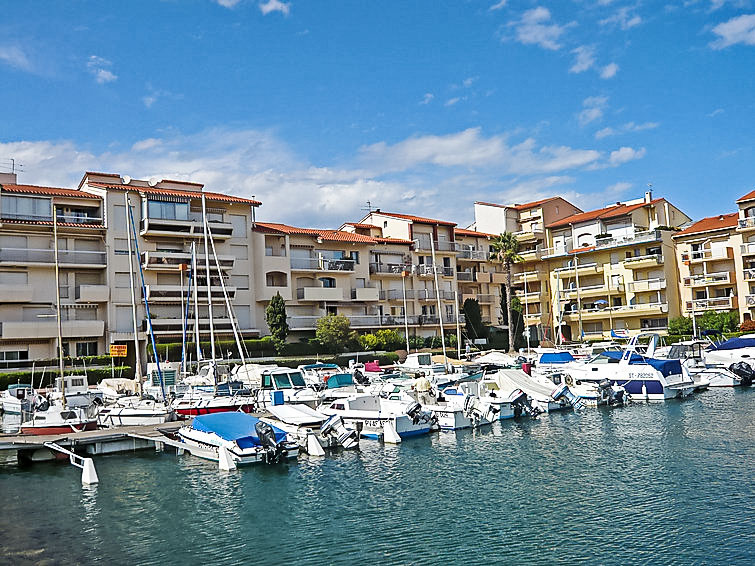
(710, 224)
(47, 191)
(607, 212)
(472, 233)
(393, 241)
(220, 197)
(524, 206)
(418, 219)
(359, 225)
(116, 175)
(50, 223)
(748, 196)
(324, 234)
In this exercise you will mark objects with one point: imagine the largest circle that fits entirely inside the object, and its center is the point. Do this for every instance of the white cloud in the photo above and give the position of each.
(275, 6)
(609, 71)
(228, 3)
(453, 101)
(427, 98)
(99, 68)
(716, 112)
(584, 59)
(15, 57)
(626, 128)
(535, 28)
(593, 108)
(146, 144)
(625, 154)
(736, 30)
(623, 18)
(469, 81)
(155, 94)
(604, 133)
(497, 6)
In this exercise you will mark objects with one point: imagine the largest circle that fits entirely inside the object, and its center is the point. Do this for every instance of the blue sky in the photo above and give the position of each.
(420, 107)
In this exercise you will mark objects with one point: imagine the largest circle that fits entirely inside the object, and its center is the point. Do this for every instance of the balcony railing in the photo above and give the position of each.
(27, 255)
(646, 285)
(577, 266)
(748, 249)
(708, 254)
(620, 309)
(425, 270)
(173, 260)
(747, 222)
(473, 255)
(711, 303)
(464, 276)
(749, 274)
(321, 264)
(374, 321)
(707, 279)
(603, 243)
(440, 246)
(657, 258)
(390, 268)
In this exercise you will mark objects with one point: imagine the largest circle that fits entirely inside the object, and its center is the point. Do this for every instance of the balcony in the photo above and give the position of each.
(321, 264)
(175, 325)
(396, 269)
(750, 301)
(465, 276)
(708, 254)
(482, 277)
(713, 303)
(430, 295)
(646, 285)
(586, 291)
(704, 280)
(92, 293)
(424, 270)
(748, 249)
(531, 297)
(172, 293)
(638, 237)
(66, 219)
(68, 258)
(172, 261)
(749, 274)
(365, 294)
(643, 261)
(320, 294)
(591, 267)
(48, 329)
(372, 321)
(191, 228)
(529, 275)
(746, 223)
(641, 309)
(16, 293)
(472, 255)
(535, 232)
(499, 278)
(444, 246)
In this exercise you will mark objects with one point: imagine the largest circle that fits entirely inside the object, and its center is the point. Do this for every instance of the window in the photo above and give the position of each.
(86, 349)
(241, 282)
(239, 225)
(354, 256)
(656, 323)
(328, 282)
(14, 277)
(276, 279)
(331, 310)
(14, 355)
(168, 210)
(26, 208)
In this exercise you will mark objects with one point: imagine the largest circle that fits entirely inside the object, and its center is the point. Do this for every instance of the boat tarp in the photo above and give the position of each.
(510, 379)
(298, 414)
(339, 380)
(735, 344)
(320, 366)
(666, 367)
(233, 426)
(556, 358)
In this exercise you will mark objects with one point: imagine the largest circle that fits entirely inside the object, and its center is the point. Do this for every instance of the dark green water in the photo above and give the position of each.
(665, 483)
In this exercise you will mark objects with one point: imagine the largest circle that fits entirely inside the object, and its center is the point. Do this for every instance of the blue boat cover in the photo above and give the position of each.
(556, 358)
(735, 344)
(666, 367)
(233, 426)
(340, 380)
(321, 366)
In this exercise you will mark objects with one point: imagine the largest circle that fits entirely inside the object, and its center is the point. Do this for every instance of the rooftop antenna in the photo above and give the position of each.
(369, 207)
(15, 167)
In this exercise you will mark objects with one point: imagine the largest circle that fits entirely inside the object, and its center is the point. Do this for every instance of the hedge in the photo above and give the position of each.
(94, 376)
(386, 359)
(257, 348)
(49, 362)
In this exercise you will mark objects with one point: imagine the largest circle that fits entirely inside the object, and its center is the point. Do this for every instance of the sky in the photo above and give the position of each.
(318, 107)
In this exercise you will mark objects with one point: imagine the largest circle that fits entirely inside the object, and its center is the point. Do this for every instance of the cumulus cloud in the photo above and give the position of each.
(625, 154)
(626, 128)
(227, 3)
(427, 98)
(736, 30)
(592, 109)
(584, 59)
(604, 133)
(623, 18)
(497, 6)
(15, 57)
(536, 28)
(99, 68)
(609, 71)
(275, 6)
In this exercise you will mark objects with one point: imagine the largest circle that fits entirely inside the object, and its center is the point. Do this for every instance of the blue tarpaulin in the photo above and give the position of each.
(666, 367)
(339, 380)
(556, 358)
(233, 426)
(735, 344)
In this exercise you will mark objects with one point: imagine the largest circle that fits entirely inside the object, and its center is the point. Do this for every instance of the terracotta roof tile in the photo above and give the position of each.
(327, 235)
(47, 191)
(607, 212)
(103, 174)
(418, 219)
(748, 196)
(359, 225)
(710, 224)
(472, 233)
(393, 241)
(49, 223)
(527, 205)
(220, 197)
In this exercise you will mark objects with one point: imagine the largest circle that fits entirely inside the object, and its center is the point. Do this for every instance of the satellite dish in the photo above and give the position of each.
(126, 179)
(153, 181)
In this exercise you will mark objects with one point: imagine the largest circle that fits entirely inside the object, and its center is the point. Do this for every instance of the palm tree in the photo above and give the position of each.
(505, 250)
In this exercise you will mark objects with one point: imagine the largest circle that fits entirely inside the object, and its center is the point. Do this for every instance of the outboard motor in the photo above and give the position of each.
(414, 411)
(360, 378)
(522, 404)
(744, 372)
(610, 394)
(562, 391)
(272, 448)
(346, 437)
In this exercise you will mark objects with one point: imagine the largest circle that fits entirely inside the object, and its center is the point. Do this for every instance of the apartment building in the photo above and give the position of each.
(29, 217)
(709, 252)
(614, 269)
(745, 255)
(168, 219)
(475, 274)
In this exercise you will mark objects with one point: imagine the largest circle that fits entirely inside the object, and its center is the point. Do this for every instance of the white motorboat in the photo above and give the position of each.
(539, 390)
(135, 410)
(50, 419)
(77, 391)
(691, 353)
(241, 438)
(732, 351)
(17, 398)
(288, 386)
(307, 426)
(226, 397)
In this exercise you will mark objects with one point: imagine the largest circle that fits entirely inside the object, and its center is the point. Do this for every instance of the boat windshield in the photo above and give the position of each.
(297, 379)
(282, 381)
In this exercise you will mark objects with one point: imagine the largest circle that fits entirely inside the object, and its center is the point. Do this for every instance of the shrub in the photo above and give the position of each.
(333, 332)
(747, 326)
(680, 325)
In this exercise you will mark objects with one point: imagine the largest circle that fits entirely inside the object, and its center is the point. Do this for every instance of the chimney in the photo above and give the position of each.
(648, 196)
(8, 179)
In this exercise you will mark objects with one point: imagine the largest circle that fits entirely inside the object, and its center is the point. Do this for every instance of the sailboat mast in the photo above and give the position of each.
(209, 284)
(196, 300)
(437, 297)
(57, 299)
(138, 359)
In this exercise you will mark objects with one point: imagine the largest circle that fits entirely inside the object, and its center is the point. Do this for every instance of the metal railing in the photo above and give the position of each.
(658, 258)
(603, 243)
(710, 303)
(29, 255)
(577, 266)
(621, 308)
(440, 246)
(748, 222)
(748, 249)
(647, 285)
(464, 276)
(707, 279)
(428, 270)
(707, 253)
(749, 274)
(322, 264)
(476, 255)
(375, 321)
(391, 268)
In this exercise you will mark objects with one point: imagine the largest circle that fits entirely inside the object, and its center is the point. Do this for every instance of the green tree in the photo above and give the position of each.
(506, 252)
(473, 316)
(727, 321)
(680, 325)
(277, 322)
(333, 332)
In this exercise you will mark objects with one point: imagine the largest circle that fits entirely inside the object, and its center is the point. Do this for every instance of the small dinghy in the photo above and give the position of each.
(236, 439)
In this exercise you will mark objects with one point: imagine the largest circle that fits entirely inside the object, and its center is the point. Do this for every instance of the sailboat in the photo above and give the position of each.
(54, 415)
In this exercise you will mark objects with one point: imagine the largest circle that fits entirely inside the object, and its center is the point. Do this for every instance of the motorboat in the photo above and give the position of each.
(17, 398)
(48, 418)
(77, 391)
(732, 351)
(226, 397)
(317, 374)
(238, 437)
(135, 410)
(390, 418)
(288, 385)
(692, 354)
(312, 430)
(539, 390)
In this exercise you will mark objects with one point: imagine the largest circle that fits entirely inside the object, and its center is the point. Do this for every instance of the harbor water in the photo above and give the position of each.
(666, 483)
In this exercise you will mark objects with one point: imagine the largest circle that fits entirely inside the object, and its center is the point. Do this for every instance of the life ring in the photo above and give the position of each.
(568, 380)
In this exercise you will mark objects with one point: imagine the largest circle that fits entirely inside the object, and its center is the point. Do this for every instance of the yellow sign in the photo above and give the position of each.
(118, 350)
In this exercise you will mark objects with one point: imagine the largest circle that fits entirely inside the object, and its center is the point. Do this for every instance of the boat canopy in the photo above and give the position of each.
(320, 366)
(233, 426)
(556, 358)
(666, 367)
(339, 380)
(735, 344)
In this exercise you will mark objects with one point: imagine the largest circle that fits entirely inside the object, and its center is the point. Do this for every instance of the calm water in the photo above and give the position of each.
(666, 483)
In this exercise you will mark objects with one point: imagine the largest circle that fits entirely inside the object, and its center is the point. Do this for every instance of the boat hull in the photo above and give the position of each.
(45, 430)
